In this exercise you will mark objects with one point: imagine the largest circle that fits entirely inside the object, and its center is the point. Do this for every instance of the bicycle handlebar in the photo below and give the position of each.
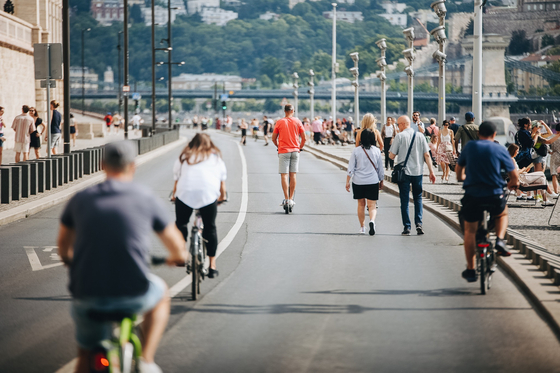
(161, 260)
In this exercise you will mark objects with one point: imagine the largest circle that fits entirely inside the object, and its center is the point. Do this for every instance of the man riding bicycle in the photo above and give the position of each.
(482, 162)
(104, 237)
(289, 137)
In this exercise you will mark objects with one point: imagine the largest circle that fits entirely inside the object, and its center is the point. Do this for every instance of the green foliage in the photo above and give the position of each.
(519, 43)
(188, 104)
(547, 40)
(554, 51)
(136, 14)
(272, 105)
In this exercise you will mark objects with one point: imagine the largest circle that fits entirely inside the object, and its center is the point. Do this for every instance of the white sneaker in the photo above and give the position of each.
(539, 198)
(291, 203)
(552, 195)
(548, 203)
(283, 202)
(149, 367)
(363, 230)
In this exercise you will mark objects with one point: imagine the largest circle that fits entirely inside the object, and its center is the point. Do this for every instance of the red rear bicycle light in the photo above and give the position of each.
(482, 255)
(484, 245)
(100, 362)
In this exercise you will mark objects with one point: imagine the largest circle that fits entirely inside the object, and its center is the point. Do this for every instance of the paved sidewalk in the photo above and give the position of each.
(524, 217)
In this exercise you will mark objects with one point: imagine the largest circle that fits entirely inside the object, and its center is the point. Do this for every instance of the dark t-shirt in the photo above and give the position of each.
(113, 222)
(523, 139)
(55, 122)
(484, 160)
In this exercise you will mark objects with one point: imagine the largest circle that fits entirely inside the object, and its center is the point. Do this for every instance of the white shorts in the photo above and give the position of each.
(55, 139)
(21, 147)
(288, 162)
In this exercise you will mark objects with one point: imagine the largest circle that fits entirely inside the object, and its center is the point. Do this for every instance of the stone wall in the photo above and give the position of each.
(17, 71)
(505, 21)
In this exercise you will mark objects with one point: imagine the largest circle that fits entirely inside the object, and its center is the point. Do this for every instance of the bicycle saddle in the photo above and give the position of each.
(105, 316)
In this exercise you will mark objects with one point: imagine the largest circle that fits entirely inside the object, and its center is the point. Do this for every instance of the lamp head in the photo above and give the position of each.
(311, 73)
(355, 56)
(295, 76)
(355, 83)
(381, 62)
(440, 56)
(381, 76)
(409, 33)
(182, 63)
(409, 54)
(381, 44)
(355, 71)
(439, 7)
(439, 34)
(409, 71)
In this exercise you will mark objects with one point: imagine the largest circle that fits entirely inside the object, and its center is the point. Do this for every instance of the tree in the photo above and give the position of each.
(271, 105)
(188, 104)
(136, 14)
(519, 43)
(547, 40)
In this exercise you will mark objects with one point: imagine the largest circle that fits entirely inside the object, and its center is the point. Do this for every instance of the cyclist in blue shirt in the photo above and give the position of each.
(479, 166)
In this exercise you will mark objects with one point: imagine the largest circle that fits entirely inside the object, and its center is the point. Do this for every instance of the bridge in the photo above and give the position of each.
(261, 94)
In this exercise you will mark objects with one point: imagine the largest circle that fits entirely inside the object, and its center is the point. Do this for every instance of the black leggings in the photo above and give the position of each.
(208, 213)
(386, 147)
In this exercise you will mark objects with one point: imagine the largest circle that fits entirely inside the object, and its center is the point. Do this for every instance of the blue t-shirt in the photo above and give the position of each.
(113, 222)
(55, 121)
(483, 160)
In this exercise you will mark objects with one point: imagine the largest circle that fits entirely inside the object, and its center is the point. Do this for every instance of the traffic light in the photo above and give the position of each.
(224, 106)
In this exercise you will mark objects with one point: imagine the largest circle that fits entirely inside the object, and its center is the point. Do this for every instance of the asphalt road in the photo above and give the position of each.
(300, 292)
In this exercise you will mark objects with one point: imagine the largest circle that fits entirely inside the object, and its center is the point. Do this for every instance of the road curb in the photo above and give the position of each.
(529, 253)
(27, 209)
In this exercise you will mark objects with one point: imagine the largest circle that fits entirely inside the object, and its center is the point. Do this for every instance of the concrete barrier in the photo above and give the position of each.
(25, 177)
(5, 185)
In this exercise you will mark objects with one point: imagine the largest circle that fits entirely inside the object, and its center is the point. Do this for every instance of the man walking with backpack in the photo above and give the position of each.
(289, 138)
(466, 133)
(413, 151)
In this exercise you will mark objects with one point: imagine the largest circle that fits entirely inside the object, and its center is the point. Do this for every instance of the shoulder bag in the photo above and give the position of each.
(398, 171)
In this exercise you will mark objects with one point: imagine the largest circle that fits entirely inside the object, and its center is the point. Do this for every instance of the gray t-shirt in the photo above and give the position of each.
(113, 222)
(401, 143)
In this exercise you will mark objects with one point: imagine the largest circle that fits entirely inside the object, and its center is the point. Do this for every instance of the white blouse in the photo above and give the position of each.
(198, 185)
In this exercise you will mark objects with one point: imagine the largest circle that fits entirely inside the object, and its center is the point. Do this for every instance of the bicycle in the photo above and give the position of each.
(197, 250)
(485, 253)
(120, 353)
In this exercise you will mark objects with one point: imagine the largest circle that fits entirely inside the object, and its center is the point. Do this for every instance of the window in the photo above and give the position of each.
(541, 6)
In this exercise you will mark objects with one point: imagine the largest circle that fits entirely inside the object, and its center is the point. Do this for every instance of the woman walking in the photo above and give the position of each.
(200, 184)
(243, 126)
(388, 133)
(365, 169)
(445, 146)
(36, 135)
(73, 130)
(368, 122)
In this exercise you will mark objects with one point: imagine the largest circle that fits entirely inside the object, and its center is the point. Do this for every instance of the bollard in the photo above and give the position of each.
(25, 177)
(80, 164)
(54, 173)
(16, 183)
(5, 185)
(34, 177)
(63, 168)
(71, 174)
(87, 162)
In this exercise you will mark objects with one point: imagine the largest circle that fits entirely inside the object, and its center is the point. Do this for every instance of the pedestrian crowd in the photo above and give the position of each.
(29, 129)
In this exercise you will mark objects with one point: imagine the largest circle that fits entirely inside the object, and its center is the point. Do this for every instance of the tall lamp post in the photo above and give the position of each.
(311, 92)
(83, 70)
(119, 79)
(477, 61)
(356, 73)
(381, 62)
(161, 63)
(125, 67)
(153, 67)
(410, 55)
(296, 94)
(334, 65)
(439, 34)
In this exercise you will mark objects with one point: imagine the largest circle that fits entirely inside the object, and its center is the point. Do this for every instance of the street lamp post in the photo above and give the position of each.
(477, 62)
(119, 78)
(311, 92)
(169, 65)
(334, 65)
(410, 55)
(153, 68)
(355, 72)
(439, 34)
(296, 86)
(83, 70)
(125, 67)
(381, 62)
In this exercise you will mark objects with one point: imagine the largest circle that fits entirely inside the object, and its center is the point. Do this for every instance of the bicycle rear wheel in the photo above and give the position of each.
(483, 272)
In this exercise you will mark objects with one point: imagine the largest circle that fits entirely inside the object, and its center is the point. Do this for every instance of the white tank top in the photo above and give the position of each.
(389, 131)
(446, 138)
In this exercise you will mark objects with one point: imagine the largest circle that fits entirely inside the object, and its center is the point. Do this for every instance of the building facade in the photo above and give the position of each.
(195, 6)
(206, 81)
(217, 16)
(350, 17)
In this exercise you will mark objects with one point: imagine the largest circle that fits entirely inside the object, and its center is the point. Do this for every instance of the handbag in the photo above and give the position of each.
(448, 148)
(398, 171)
(541, 149)
(533, 178)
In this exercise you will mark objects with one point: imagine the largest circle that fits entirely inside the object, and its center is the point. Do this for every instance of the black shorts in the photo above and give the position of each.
(243, 132)
(472, 209)
(72, 129)
(370, 191)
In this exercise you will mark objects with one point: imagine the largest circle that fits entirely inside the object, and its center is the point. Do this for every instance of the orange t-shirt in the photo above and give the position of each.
(289, 131)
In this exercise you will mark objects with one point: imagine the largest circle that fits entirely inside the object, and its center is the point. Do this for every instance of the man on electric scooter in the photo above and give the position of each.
(104, 238)
(480, 166)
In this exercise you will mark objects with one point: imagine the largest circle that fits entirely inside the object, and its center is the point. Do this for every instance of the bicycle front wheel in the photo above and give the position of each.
(483, 272)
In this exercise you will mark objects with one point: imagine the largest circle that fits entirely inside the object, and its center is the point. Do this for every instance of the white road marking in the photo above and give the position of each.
(33, 258)
(222, 246)
(50, 248)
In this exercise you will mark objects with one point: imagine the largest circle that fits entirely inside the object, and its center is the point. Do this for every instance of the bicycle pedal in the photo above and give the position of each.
(189, 269)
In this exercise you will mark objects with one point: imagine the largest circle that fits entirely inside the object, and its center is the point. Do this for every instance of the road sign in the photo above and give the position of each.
(136, 96)
(52, 83)
(224, 97)
(43, 53)
(126, 88)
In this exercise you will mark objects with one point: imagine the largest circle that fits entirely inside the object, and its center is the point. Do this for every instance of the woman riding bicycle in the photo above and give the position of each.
(200, 183)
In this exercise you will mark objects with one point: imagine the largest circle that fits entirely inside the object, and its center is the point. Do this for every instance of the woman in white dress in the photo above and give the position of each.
(446, 139)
